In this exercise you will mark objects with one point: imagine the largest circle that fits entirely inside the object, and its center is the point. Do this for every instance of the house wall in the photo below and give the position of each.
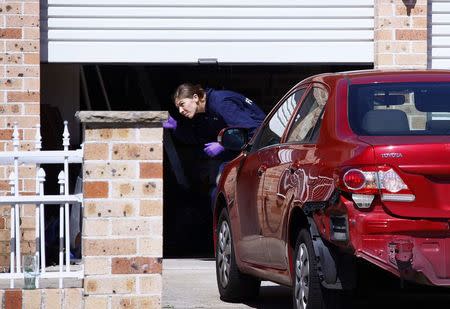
(19, 61)
(400, 34)
(19, 102)
(122, 236)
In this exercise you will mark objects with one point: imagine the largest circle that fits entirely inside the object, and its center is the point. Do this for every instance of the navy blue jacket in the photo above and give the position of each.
(223, 109)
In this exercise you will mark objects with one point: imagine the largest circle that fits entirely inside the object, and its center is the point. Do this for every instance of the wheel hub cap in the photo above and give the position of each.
(224, 254)
(301, 277)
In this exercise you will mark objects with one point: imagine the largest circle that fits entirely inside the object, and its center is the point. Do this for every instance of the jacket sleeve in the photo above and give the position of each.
(235, 115)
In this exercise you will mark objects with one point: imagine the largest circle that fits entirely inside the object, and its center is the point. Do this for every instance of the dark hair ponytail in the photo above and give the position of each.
(188, 90)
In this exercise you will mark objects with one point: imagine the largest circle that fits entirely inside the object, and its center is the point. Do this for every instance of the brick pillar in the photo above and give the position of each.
(400, 34)
(122, 225)
(19, 102)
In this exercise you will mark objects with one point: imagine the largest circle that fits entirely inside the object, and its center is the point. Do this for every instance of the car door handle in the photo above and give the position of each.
(261, 170)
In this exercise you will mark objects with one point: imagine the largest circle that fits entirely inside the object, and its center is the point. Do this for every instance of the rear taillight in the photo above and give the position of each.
(366, 182)
(354, 179)
(391, 181)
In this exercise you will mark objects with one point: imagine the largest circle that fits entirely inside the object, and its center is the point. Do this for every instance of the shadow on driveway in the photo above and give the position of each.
(272, 297)
(275, 297)
(191, 283)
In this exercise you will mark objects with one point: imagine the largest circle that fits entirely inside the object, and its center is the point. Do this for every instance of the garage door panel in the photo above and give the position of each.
(210, 35)
(441, 63)
(258, 26)
(208, 23)
(439, 30)
(271, 3)
(201, 12)
(228, 52)
(441, 6)
(440, 41)
(441, 19)
(440, 34)
(442, 52)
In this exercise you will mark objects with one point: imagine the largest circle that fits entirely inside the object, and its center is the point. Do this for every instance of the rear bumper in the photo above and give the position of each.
(416, 250)
(422, 260)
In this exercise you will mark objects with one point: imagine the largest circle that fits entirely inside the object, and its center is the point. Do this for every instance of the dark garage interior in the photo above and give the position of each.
(187, 212)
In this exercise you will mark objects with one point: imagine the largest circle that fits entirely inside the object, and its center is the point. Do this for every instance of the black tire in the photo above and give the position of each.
(233, 285)
(310, 294)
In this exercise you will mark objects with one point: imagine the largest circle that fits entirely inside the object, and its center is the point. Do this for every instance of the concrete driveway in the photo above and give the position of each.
(191, 283)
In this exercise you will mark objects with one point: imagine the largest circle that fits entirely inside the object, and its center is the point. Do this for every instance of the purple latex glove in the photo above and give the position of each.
(170, 123)
(213, 149)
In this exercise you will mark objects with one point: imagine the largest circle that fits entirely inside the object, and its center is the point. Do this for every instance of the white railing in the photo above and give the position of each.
(38, 157)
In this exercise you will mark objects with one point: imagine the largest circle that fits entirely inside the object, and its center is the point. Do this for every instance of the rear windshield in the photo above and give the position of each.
(400, 109)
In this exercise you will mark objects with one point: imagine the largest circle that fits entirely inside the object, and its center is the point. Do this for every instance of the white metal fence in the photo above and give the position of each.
(40, 200)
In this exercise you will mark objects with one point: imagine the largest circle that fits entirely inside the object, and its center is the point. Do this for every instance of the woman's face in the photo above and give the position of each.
(187, 106)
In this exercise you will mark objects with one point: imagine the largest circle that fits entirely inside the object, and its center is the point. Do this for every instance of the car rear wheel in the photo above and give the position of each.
(308, 291)
(233, 285)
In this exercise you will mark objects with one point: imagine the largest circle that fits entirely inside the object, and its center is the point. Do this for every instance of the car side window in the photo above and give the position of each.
(273, 130)
(306, 125)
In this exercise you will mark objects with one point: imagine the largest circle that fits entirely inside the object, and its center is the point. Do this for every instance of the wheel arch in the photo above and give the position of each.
(335, 269)
(298, 220)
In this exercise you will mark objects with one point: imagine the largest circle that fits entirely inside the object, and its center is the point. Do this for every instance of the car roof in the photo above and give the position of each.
(380, 76)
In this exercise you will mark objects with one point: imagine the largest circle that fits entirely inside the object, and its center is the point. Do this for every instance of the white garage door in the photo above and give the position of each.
(440, 30)
(191, 31)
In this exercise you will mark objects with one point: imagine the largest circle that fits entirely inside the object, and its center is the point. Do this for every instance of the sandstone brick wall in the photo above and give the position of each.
(401, 31)
(43, 298)
(20, 74)
(400, 34)
(122, 225)
(19, 102)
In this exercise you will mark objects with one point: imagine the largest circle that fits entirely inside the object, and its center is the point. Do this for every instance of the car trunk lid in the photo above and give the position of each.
(423, 163)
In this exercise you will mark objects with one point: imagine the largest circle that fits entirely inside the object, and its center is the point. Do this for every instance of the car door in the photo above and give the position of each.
(250, 180)
(290, 179)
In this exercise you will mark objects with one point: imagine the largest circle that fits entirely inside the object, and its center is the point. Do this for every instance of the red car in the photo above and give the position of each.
(347, 166)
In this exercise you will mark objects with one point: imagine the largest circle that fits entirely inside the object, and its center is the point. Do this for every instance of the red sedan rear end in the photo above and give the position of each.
(346, 166)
